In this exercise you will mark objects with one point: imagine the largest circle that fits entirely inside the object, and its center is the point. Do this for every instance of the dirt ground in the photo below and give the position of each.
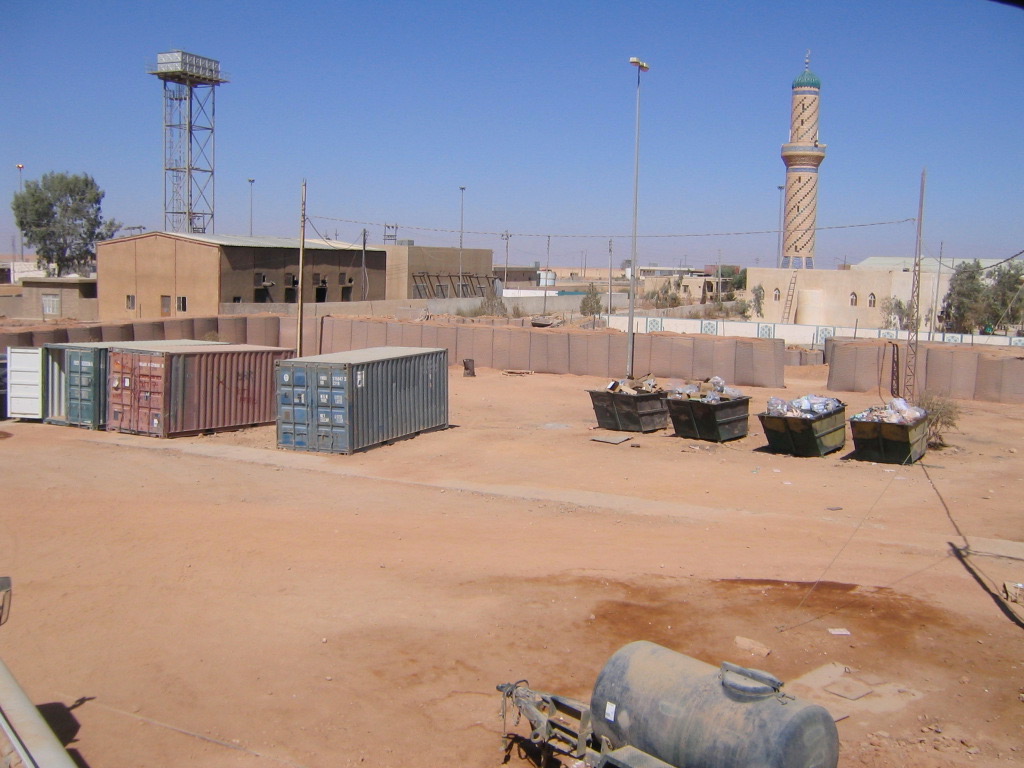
(214, 601)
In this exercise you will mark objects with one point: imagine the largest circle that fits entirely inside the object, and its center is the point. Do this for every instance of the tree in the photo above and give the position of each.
(757, 303)
(964, 307)
(740, 281)
(895, 314)
(591, 303)
(1005, 305)
(59, 216)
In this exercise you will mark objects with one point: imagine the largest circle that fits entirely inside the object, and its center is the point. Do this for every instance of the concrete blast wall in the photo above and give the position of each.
(740, 361)
(950, 370)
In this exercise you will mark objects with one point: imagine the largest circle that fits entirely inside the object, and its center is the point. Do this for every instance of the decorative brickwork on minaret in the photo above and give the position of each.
(802, 156)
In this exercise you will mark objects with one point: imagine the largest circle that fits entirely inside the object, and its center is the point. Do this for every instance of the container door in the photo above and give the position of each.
(331, 389)
(25, 383)
(56, 385)
(83, 392)
(119, 391)
(148, 395)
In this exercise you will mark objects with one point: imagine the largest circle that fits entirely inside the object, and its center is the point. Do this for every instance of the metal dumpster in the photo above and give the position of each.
(626, 412)
(797, 436)
(717, 422)
(348, 401)
(889, 443)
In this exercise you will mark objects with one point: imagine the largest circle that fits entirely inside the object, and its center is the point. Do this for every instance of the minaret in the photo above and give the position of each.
(802, 156)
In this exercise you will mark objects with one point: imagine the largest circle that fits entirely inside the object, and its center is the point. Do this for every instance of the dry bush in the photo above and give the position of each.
(943, 414)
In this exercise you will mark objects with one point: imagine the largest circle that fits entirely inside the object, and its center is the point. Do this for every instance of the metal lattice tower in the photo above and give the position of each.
(802, 156)
(190, 84)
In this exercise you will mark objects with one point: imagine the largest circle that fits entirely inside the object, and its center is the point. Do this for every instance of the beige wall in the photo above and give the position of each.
(149, 267)
(340, 268)
(158, 264)
(823, 296)
(74, 299)
(404, 261)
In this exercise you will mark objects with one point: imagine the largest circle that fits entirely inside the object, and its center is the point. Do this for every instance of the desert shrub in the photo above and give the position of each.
(943, 415)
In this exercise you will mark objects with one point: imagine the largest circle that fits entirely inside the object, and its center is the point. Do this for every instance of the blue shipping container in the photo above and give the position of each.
(348, 401)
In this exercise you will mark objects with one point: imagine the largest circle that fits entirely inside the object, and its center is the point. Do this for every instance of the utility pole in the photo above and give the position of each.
(364, 278)
(506, 237)
(302, 263)
(609, 282)
(910, 380)
(547, 275)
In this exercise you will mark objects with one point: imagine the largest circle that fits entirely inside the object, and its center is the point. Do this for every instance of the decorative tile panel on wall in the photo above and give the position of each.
(953, 338)
(655, 324)
(886, 333)
(1017, 341)
(709, 327)
(766, 330)
(824, 333)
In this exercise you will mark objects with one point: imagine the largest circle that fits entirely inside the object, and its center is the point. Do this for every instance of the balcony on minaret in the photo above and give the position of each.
(803, 154)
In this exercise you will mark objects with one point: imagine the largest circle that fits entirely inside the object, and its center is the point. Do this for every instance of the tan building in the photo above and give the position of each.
(50, 298)
(163, 274)
(423, 272)
(846, 297)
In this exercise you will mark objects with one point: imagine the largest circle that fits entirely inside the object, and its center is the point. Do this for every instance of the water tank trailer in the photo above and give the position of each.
(652, 707)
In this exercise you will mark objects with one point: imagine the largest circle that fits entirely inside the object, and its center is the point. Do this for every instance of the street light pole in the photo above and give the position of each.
(250, 206)
(778, 258)
(462, 219)
(21, 235)
(641, 67)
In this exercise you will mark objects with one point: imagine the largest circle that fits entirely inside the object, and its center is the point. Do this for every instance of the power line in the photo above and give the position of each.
(606, 236)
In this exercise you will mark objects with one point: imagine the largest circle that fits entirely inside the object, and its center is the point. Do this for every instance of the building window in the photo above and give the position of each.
(441, 291)
(236, 299)
(182, 303)
(165, 306)
(129, 302)
(776, 295)
(853, 299)
(51, 303)
(258, 279)
(289, 280)
(871, 299)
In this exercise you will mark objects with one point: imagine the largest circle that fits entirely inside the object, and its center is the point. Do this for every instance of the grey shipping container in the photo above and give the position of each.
(76, 378)
(348, 401)
(184, 390)
(3, 384)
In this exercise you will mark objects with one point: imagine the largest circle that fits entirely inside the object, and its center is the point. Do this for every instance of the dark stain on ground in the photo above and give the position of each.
(703, 618)
(4, 435)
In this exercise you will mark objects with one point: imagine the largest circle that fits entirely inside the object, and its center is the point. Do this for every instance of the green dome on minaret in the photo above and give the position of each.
(807, 79)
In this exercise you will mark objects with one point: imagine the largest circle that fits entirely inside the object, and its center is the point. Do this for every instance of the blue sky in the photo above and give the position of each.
(386, 109)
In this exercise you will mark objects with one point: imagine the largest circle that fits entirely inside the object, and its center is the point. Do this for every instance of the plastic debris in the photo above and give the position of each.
(644, 384)
(806, 407)
(713, 390)
(898, 411)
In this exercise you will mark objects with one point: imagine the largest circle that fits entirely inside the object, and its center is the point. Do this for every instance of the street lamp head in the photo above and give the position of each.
(20, 166)
(637, 63)
(462, 189)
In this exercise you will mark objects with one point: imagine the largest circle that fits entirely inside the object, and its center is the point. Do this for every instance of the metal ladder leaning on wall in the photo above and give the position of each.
(788, 306)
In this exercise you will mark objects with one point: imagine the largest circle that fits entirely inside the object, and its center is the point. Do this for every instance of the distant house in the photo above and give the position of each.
(50, 298)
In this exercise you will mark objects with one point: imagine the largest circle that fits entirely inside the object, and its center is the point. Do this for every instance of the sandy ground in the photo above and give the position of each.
(214, 601)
